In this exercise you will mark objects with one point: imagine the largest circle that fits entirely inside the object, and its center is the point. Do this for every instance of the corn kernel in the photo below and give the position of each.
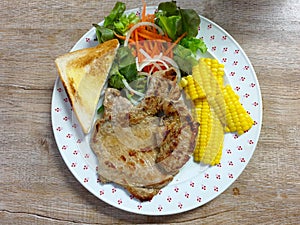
(237, 118)
(183, 82)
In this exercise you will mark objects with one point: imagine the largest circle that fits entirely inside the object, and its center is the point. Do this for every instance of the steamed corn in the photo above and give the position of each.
(193, 89)
(209, 85)
(203, 116)
(218, 157)
(210, 139)
(216, 107)
(238, 120)
(217, 69)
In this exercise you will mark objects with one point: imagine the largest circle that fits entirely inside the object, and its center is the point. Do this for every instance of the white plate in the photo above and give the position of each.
(194, 185)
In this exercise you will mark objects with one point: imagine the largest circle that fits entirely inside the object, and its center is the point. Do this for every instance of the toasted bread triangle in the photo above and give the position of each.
(83, 74)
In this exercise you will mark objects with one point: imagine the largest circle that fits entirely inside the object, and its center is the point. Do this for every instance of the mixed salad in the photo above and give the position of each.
(151, 42)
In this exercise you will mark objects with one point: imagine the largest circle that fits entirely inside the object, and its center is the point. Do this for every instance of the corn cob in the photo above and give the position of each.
(217, 69)
(193, 89)
(210, 139)
(183, 82)
(213, 93)
(218, 157)
(215, 107)
(203, 77)
(208, 67)
(215, 140)
(238, 120)
(202, 116)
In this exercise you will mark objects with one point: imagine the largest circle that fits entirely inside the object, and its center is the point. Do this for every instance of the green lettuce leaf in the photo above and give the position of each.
(171, 25)
(103, 34)
(190, 22)
(127, 65)
(124, 67)
(176, 21)
(169, 8)
(121, 25)
(194, 44)
(116, 13)
(185, 59)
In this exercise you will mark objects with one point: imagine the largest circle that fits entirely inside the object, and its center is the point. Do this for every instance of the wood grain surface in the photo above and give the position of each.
(36, 186)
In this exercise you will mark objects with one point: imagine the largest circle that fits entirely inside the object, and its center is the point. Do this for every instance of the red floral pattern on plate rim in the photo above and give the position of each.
(184, 193)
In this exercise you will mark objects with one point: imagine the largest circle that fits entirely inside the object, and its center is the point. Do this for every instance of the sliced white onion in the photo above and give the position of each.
(145, 53)
(131, 89)
(160, 55)
(137, 64)
(155, 64)
(170, 61)
(152, 68)
(148, 81)
(139, 25)
(141, 73)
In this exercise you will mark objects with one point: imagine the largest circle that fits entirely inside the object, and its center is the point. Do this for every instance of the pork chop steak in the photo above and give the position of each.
(143, 147)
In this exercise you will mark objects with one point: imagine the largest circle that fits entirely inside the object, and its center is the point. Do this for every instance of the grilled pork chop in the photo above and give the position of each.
(143, 147)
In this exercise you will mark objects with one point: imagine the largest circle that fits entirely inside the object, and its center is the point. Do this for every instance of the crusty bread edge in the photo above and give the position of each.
(61, 64)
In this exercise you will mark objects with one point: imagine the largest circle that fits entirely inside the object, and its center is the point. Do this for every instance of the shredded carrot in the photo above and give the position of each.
(146, 36)
(137, 45)
(150, 18)
(144, 11)
(150, 46)
(131, 41)
(155, 50)
(175, 43)
(171, 54)
(120, 36)
(151, 35)
(146, 47)
(161, 47)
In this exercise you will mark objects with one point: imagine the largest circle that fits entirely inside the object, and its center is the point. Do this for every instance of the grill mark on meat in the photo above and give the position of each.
(185, 147)
(142, 161)
(171, 139)
(131, 153)
(122, 157)
(146, 149)
(131, 165)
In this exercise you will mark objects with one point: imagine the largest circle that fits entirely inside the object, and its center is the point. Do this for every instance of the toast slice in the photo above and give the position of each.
(83, 74)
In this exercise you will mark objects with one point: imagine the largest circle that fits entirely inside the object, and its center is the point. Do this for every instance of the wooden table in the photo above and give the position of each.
(36, 187)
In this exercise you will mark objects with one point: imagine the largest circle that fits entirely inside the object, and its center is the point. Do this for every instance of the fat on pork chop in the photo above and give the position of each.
(142, 148)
